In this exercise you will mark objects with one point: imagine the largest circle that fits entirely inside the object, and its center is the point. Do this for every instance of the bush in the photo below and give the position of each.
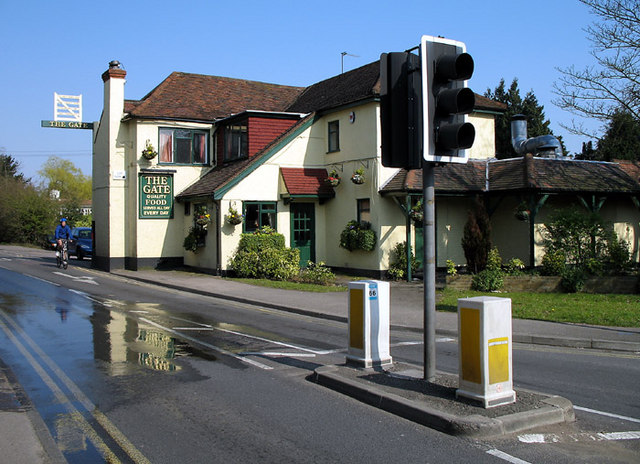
(494, 261)
(573, 279)
(476, 238)
(489, 280)
(358, 236)
(514, 267)
(619, 261)
(262, 255)
(317, 273)
(398, 267)
(451, 268)
(554, 263)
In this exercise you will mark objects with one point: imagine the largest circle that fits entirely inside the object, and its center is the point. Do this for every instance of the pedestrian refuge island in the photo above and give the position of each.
(369, 323)
(484, 342)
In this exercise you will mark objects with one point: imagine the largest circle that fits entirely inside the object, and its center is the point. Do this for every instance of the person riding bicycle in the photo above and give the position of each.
(63, 231)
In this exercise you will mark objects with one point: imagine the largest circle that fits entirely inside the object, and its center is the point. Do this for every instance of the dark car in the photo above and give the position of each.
(81, 243)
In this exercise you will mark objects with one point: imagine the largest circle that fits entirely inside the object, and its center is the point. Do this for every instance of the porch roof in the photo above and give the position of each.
(524, 174)
(308, 182)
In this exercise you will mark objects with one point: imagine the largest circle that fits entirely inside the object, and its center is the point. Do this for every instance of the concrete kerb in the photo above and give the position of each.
(566, 342)
(557, 409)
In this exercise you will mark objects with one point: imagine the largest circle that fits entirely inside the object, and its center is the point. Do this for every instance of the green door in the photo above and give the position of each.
(303, 231)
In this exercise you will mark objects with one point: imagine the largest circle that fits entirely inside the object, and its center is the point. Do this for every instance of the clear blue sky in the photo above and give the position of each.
(64, 47)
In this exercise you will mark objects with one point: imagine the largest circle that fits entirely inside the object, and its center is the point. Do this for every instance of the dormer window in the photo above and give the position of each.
(235, 142)
(183, 146)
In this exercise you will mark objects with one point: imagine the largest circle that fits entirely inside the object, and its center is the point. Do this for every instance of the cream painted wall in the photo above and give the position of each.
(484, 145)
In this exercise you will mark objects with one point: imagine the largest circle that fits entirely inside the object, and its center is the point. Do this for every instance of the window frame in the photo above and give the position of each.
(333, 127)
(192, 146)
(240, 129)
(360, 209)
(264, 207)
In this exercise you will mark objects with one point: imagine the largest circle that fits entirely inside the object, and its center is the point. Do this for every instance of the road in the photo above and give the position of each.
(129, 372)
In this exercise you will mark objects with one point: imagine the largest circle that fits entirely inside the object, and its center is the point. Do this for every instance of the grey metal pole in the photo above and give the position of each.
(429, 266)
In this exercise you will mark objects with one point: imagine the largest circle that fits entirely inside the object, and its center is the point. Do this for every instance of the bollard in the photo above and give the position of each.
(369, 323)
(484, 341)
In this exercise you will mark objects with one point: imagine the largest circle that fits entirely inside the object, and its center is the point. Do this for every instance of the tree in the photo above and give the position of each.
(63, 176)
(621, 139)
(9, 168)
(612, 84)
(537, 124)
(476, 238)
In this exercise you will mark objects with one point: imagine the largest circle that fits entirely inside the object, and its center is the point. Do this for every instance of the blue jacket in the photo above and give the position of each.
(63, 232)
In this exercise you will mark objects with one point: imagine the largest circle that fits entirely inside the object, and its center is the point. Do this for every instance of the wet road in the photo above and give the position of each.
(123, 372)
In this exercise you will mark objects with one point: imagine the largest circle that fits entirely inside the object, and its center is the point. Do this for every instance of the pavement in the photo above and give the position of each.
(24, 437)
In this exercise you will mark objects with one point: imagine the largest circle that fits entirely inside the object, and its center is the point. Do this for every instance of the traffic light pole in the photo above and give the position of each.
(429, 269)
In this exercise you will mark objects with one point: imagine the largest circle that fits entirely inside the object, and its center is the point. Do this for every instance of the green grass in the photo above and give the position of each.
(292, 285)
(580, 308)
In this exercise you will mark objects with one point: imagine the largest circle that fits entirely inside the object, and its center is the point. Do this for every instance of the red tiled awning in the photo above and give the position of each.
(307, 182)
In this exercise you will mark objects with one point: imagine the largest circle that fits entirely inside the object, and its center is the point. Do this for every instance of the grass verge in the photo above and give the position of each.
(580, 308)
(284, 285)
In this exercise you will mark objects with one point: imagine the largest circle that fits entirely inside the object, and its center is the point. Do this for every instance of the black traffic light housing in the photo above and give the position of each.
(401, 110)
(447, 100)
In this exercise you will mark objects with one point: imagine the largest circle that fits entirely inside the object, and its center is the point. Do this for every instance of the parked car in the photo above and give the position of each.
(81, 243)
(49, 242)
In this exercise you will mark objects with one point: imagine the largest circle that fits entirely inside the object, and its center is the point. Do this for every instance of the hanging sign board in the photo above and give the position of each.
(67, 124)
(156, 196)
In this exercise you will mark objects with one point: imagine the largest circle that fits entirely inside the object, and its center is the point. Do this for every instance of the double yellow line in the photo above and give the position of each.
(7, 323)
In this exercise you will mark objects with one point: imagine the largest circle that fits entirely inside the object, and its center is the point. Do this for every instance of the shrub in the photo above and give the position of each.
(553, 263)
(263, 255)
(451, 268)
(619, 255)
(476, 238)
(358, 236)
(514, 267)
(398, 267)
(317, 273)
(489, 280)
(494, 261)
(573, 279)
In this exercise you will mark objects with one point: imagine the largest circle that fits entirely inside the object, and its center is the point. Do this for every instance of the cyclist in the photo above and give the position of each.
(63, 231)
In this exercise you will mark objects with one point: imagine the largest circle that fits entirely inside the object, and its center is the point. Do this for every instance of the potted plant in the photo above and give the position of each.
(149, 152)
(333, 179)
(358, 176)
(522, 213)
(233, 217)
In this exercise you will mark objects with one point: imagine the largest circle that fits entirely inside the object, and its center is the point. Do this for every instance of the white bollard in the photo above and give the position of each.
(484, 341)
(369, 323)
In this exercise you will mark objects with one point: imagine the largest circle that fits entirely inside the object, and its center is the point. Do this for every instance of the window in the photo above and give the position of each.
(334, 136)
(183, 146)
(235, 142)
(364, 210)
(258, 215)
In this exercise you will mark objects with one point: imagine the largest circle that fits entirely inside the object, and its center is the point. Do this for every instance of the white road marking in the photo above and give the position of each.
(208, 345)
(272, 353)
(506, 457)
(288, 345)
(192, 328)
(81, 279)
(608, 414)
(139, 311)
(86, 295)
(584, 437)
(42, 280)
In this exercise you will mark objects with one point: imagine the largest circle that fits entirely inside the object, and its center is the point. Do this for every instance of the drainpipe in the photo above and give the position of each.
(407, 208)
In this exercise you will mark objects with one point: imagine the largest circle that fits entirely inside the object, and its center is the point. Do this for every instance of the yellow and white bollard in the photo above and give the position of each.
(484, 342)
(369, 323)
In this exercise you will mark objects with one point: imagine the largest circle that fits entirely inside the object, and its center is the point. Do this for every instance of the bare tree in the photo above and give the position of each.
(613, 82)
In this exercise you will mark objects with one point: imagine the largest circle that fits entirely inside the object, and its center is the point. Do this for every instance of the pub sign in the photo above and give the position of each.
(156, 196)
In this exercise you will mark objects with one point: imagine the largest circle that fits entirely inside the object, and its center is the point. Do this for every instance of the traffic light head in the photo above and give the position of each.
(447, 100)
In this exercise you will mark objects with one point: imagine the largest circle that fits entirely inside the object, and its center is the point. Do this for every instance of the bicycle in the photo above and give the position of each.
(62, 256)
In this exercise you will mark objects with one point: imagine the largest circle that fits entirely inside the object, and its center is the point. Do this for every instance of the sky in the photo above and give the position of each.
(64, 47)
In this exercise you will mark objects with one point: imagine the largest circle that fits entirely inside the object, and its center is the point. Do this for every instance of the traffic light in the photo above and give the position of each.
(446, 99)
(401, 110)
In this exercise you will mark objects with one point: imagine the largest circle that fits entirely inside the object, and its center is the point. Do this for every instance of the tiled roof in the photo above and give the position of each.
(355, 85)
(306, 181)
(526, 173)
(349, 87)
(206, 98)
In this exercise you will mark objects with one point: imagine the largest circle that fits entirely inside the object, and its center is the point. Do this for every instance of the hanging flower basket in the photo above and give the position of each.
(333, 179)
(358, 176)
(522, 213)
(416, 213)
(233, 217)
(149, 152)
